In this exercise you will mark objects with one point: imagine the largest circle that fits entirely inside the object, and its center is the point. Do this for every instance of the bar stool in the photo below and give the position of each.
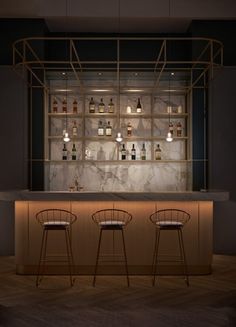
(169, 220)
(111, 220)
(55, 220)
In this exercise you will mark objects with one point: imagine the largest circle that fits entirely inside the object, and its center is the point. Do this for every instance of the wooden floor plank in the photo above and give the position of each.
(210, 301)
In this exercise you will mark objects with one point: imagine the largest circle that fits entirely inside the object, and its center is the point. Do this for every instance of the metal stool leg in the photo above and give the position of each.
(126, 263)
(71, 252)
(156, 249)
(40, 258)
(184, 257)
(68, 256)
(98, 251)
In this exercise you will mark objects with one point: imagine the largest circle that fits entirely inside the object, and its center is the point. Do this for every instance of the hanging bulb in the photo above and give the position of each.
(66, 137)
(119, 137)
(169, 137)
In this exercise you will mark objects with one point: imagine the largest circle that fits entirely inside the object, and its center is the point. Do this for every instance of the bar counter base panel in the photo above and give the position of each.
(139, 234)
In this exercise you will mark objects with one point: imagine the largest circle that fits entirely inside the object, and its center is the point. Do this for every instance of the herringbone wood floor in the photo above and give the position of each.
(210, 301)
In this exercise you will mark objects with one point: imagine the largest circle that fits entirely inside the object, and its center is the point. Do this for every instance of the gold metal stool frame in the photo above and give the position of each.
(166, 220)
(55, 220)
(111, 220)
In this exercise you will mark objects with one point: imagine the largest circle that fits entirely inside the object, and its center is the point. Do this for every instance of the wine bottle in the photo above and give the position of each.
(55, 105)
(64, 105)
(179, 129)
(108, 129)
(74, 129)
(64, 152)
(123, 152)
(91, 106)
(143, 152)
(171, 128)
(158, 152)
(73, 155)
(169, 109)
(75, 106)
(101, 107)
(139, 107)
(129, 129)
(111, 106)
(133, 153)
(100, 129)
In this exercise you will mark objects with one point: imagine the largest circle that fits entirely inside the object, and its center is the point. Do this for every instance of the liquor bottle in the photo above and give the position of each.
(101, 107)
(158, 152)
(169, 109)
(74, 129)
(73, 154)
(179, 109)
(75, 106)
(129, 129)
(139, 107)
(123, 152)
(179, 129)
(111, 107)
(143, 152)
(64, 152)
(108, 129)
(171, 128)
(55, 105)
(100, 129)
(133, 153)
(64, 106)
(91, 106)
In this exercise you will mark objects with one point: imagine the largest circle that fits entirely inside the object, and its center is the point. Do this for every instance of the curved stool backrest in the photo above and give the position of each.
(170, 217)
(112, 216)
(55, 216)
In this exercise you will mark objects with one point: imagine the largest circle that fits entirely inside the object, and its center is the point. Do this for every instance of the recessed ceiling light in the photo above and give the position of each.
(172, 73)
(63, 73)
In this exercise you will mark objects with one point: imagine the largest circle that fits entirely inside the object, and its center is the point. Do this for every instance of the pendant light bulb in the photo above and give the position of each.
(66, 137)
(169, 137)
(119, 137)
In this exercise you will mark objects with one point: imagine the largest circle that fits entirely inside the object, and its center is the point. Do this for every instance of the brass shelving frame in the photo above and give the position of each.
(30, 60)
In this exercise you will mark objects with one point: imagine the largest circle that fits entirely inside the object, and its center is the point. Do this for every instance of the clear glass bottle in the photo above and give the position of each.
(129, 129)
(55, 105)
(139, 107)
(75, 106)
(64, 152)
(158, 152)
(143, 152)
(91, 106)
(133, 153)
(73, 152)
(74, 129)
(123, 152)
(108, 129)
(100, 129)
(111, 106)
(101, 107)
(64, 106)
(179, 129)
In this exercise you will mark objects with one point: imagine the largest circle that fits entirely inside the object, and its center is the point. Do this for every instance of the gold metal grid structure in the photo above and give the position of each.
(44, 57)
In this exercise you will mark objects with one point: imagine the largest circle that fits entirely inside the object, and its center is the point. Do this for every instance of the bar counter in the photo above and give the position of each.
(139, 234)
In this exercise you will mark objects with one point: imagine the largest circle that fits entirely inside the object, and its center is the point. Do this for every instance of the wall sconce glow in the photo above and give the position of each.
(134, 90)
(119, 137)
(66, 137)
(63, 90)
(100, 90)
(169, 137)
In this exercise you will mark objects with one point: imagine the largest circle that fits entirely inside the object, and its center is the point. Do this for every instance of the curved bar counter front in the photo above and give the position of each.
(139, 234)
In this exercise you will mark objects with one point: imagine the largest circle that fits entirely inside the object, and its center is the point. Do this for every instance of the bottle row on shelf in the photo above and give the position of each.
(93, 107)
(125, 153)
(105, 129)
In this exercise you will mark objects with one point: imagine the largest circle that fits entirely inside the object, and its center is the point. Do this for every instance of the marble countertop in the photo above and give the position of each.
(26, 195)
